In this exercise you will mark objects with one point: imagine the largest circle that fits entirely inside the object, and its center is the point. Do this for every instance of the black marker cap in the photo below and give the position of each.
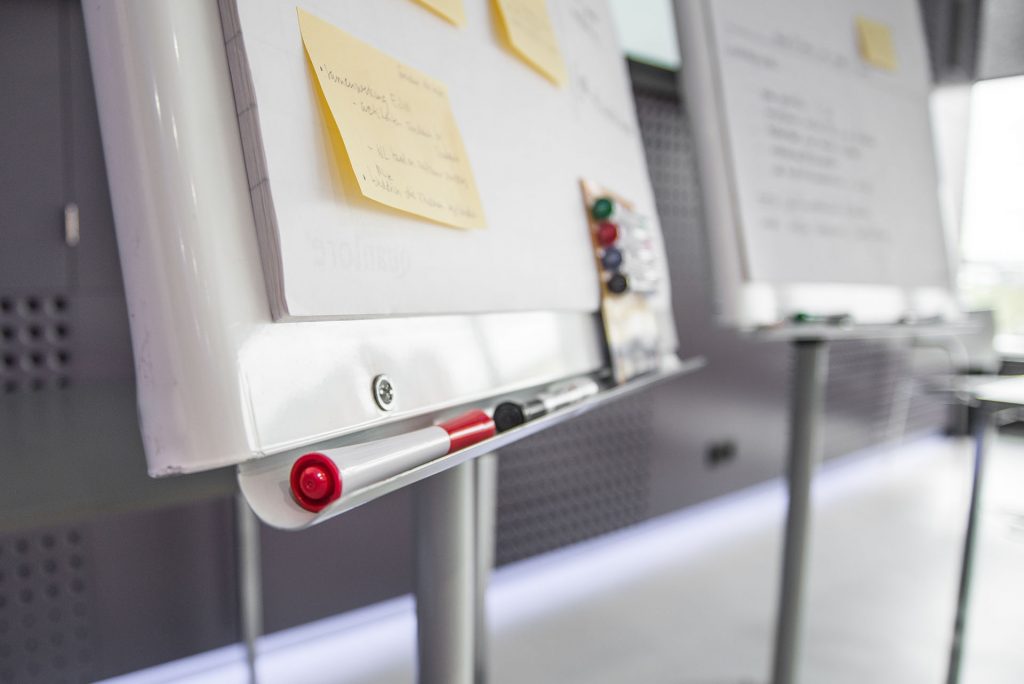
(508, 415)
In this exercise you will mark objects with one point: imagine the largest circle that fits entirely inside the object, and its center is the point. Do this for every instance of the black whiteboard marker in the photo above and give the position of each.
(510, 414)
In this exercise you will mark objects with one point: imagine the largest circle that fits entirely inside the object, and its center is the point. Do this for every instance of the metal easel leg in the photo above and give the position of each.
(486, 524)
(805, 446)
(445, 570)
(250, 589)
(983, 425)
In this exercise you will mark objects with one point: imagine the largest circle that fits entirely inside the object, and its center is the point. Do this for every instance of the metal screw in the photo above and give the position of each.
(384, 392)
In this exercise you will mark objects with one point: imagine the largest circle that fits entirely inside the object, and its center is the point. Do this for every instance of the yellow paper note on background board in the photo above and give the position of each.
(874, 39)
(531, 34)
(397, 125)
(452, 10)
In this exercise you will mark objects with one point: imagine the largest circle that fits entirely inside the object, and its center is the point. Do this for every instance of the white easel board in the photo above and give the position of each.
(528, 141)
(221, 380)
(817, 158)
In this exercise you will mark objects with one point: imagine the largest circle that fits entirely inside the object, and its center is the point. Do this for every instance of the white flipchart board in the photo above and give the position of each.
(471, 315)
(818, 167)
(528, 141)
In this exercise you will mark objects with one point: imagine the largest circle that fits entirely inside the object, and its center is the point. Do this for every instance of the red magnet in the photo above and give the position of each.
(315, 481)
(607, 233)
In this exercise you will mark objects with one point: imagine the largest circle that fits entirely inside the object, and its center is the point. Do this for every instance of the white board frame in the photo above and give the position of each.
(219, 383)
(746, 304)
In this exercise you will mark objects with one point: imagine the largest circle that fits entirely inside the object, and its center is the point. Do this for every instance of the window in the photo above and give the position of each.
(647, 31)
(992, 240)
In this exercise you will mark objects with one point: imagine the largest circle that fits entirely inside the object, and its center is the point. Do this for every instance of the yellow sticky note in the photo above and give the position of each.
(874, 39)
(528, 28)
(397, 125)
(452, 10)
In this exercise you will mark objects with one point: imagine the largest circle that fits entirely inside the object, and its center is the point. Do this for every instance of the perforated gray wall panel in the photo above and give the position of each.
(34, 343)
(876, 394)
(46, 616)
(90, 600)
(577, 481)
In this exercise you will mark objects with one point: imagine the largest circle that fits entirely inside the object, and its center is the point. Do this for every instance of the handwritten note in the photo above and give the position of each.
(874, 40)
(397, 125)
(531, 35)
(452, 10)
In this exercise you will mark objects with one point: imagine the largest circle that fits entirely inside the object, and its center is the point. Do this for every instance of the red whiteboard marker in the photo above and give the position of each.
(318, 478)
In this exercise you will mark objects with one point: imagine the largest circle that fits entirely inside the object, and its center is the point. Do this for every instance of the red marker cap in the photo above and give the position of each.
(315, 481)
(468, 429)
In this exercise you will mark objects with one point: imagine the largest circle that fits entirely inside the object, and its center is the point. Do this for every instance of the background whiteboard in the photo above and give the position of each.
(818, 168)
(529, 144)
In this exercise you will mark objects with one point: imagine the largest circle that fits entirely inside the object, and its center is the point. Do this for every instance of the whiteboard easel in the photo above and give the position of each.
(222, 379)
(821, 197)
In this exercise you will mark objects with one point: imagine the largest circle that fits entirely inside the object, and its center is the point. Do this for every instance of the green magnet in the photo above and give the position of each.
(602, 209)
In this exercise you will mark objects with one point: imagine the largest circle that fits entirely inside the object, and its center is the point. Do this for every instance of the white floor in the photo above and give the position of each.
(690, 598)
